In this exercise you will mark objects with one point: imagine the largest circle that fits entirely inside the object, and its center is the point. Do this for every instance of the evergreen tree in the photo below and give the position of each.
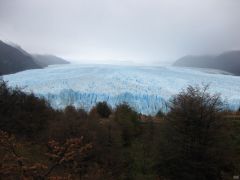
(103, 109)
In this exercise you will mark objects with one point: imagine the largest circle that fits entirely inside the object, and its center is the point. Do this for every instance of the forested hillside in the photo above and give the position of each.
(13, 60)
(228, 61)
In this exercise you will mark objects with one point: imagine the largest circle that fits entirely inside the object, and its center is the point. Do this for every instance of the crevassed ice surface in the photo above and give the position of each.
(144, 88)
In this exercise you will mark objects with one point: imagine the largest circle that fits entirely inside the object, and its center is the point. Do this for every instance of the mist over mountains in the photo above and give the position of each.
(14, 59)
(46, 60)
(227, 61)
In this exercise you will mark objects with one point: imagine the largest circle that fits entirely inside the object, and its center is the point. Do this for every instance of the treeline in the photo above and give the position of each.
(196, 139)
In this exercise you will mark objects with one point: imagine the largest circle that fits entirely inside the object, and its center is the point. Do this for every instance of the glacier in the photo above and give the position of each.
(145, 88)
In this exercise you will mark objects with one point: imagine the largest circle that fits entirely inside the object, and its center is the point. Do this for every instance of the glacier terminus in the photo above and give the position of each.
(145, 88)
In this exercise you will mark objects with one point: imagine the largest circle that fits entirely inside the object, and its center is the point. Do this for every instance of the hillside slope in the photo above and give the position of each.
(46, 60)
(13, 60)
(228, 61)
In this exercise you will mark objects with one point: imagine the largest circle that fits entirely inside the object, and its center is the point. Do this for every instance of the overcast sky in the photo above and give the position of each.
(142, 31)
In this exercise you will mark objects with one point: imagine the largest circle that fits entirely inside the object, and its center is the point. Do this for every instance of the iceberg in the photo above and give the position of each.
(146, 89)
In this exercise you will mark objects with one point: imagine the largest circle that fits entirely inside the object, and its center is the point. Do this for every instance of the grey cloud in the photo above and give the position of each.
(147, 31)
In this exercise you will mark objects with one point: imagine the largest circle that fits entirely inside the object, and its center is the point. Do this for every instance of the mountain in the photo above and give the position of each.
(146, 89)
(46, 60)
(228, 61)
(13, 60)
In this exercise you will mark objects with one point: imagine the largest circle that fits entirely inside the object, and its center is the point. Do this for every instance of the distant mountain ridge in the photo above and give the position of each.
(14, 59)
(46, 60)
(228, 61)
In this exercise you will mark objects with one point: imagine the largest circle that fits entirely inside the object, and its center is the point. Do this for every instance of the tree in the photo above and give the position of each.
(13, 165)
(160, 114)
(194, 143)
(129, 125)
(127, 120)
(103, 109)
(71, 155)
(22, 114)
(68, 123)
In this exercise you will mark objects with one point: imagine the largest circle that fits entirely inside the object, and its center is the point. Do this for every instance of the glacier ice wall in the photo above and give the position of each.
(144, 88)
